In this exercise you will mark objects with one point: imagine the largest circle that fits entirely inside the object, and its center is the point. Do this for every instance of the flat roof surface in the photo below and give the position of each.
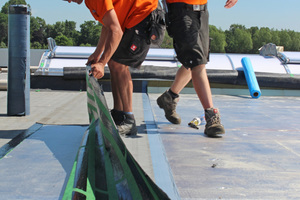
(257, 158)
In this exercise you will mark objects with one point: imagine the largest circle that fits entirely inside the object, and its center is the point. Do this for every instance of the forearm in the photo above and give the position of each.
(110, 42)
(101, 42)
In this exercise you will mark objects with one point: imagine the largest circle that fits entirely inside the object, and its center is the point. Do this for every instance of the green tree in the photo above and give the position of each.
(3, 45)
(48, 30)
(5, 7)
(275, 37)
(260, 38)
(58, 29)
(295, 44)
(37, 30)
(90, 33)
(3, 28)
(66, 28)
(85, 45)
(218, 42)
(36, 45)
(238, 39)
(253, 30)
(70, 30)
(285, 39)
(62, 40)
(167, 42)
(4, 19)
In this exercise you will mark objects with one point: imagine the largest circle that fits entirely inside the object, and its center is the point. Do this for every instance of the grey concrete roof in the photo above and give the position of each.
(257, 158)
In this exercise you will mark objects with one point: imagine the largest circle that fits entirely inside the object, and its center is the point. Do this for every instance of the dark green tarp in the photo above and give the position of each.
(104, 168)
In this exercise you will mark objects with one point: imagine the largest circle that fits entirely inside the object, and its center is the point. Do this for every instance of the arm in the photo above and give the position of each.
(95, 57)
(230, 3)
(108, 42)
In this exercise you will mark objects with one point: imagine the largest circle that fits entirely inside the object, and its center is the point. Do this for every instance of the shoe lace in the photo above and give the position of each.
(171, 107)
(214, 120)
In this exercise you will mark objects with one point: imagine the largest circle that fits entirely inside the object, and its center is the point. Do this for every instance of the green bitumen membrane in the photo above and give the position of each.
(104, 168)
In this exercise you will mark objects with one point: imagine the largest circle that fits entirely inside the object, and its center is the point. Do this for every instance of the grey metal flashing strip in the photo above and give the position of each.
(284, 60)
(5, 149)
(162, 171)
(287, 69)
(230, 60)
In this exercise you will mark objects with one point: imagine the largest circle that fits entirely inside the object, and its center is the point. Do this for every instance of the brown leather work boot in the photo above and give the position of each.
(213, 127)
(166, 102)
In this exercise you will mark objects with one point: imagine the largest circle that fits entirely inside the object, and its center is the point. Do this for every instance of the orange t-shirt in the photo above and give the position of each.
(129, 12)
(193, 2)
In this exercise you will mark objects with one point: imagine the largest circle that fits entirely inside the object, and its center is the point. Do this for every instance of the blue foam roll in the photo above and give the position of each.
(251, 78)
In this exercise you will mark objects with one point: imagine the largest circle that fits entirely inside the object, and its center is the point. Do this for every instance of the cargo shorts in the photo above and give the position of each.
(189, 28)
(134, 45)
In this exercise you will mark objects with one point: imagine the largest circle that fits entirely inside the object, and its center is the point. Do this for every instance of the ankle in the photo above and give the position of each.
(173, 95)
(129, 115)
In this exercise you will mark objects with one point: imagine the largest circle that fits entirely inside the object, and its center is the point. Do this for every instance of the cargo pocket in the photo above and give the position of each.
(158, 26)
(136, 43)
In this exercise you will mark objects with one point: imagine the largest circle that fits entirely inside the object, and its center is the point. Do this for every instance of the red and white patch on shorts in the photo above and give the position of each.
(215, 111)
(133, 47)
(153, 37)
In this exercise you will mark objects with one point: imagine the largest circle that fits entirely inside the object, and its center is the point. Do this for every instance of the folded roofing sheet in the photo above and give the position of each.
(72, 52)
(219, 61)
(52, 63)
(85, 52)
(294, 68)
(292, 56)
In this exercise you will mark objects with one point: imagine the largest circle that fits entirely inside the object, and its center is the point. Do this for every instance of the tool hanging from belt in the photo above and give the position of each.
(196, 7)
(193, 7)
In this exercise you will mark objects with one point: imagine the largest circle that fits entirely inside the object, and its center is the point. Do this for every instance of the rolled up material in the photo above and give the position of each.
(18, 85)
(251, 78)
(104, 168)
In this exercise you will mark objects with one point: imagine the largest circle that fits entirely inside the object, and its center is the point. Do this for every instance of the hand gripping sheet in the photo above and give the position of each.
(104, 168)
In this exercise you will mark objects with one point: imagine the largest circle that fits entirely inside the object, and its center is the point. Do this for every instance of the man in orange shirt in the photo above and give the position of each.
(124, 41)
(188, 25)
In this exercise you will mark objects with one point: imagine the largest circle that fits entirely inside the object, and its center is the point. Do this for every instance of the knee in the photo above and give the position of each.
(117, 69)
(199, 69)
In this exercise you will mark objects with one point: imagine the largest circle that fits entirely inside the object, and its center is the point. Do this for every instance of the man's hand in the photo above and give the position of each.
(90, 60)
(93, 59)
(230, 3)
(109, 40)
(97, 70)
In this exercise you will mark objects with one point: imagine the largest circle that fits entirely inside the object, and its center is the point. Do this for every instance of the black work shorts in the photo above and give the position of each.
(134, 45)
(190, 32)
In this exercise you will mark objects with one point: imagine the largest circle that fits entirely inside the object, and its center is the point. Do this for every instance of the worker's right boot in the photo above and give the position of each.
(213, 127)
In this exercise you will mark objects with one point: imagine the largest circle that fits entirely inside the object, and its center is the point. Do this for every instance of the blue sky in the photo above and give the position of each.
(277, 14)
